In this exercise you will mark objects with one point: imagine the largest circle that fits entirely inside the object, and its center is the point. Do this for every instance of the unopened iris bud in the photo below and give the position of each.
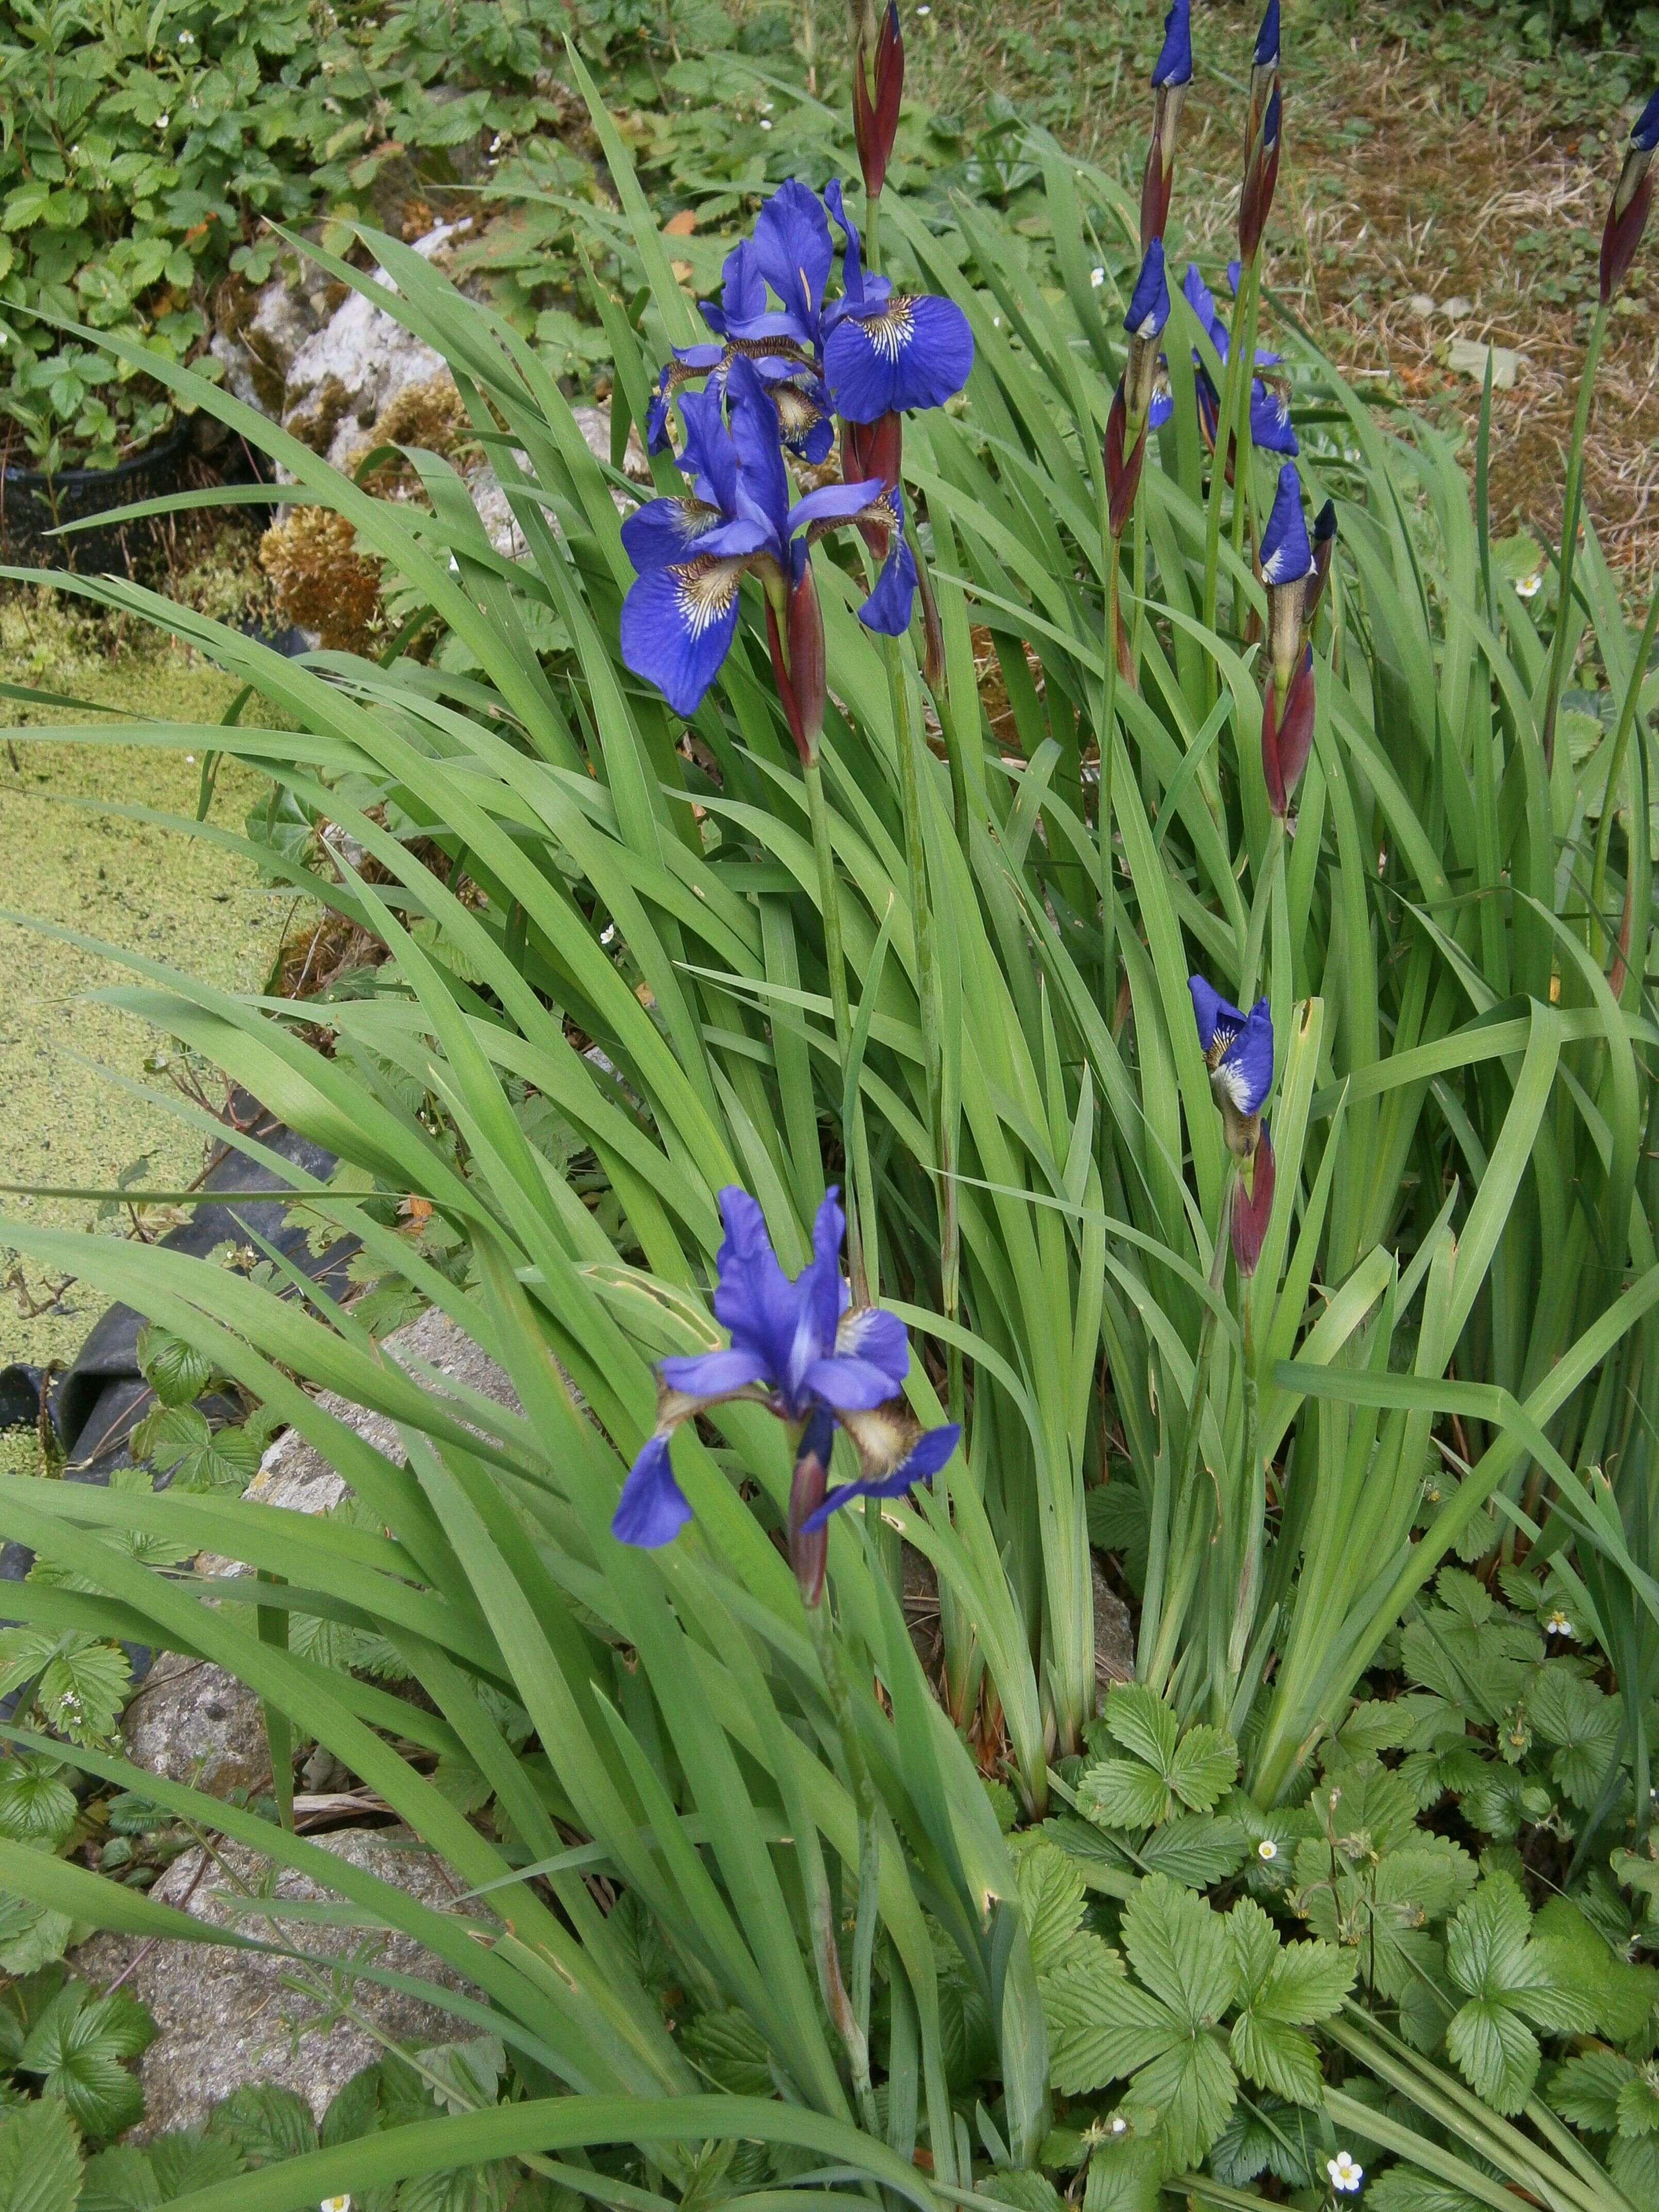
(1172, 73)
(1132, 404)
(1633, 197)
(1324, 546)
(798, 665)
(878, 90)
(1253, 1204)
(1261, 178)
(1264, 73)
(1287, 704)
(809, 1548)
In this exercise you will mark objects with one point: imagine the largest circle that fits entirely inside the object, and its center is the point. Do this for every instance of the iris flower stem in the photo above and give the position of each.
(1107, 755)
(921, 907)
(1242, 450)
(854, 2022)
(835, 960)
(1570, 531)
(1621, 737)
(1166, 1608)
(1235, 355)
(1139, 617)
(1255, 1492)
(1272, 861)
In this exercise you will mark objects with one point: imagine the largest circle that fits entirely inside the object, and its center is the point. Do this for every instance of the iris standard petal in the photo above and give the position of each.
(793, 252)
(821, 1284)
(1286, 553)
(715, 1374)
(664, 531)
(1245, 1071)
(1270, 422)
(1212, 1012)
(874, 1335)
(852, 263)
(887, 610)
(677, 624)
(652, 1509)
(763, 481)
(909, 353)
(1173, 65)
(753, 1298)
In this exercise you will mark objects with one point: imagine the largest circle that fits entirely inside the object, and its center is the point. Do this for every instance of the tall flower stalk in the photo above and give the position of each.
(1627, 215)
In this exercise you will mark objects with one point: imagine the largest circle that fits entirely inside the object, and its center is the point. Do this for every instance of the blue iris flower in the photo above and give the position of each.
(885, 353)
(1201, 300)
(800, 1348)
(1238, 1051)
(681, 615)
(1173, 65)
(1286, 556)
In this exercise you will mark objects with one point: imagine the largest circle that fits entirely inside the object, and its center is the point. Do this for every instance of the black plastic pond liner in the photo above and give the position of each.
(99, 1401)
(33, 504)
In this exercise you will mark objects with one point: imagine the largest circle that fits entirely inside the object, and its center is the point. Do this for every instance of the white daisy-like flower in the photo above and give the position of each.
(188, 38)
(1096, 277)
(340, 2203)
(162, 121)
(924, 11)
(766, 123)
(1528, 587)
(1267, 1849)
(1117, 2125)
(1346, 2174)
(1558, 1623)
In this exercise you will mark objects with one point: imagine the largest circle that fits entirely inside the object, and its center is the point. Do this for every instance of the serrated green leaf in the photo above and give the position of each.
(1638, 2105)
(1123, 1793)
(121, 2179)
(1142, 1723)
(1101, 2026)
(1277, 2057)
(264, 2123)
(1585, 2090)
(83, 1689)
(1125, 2176)
(1192, 2087)
(730, 2051)
(1265, 2135)
(1496, 2051)
(1181, 1950)
(1201, 1771)
(37, 1806)
(177, 1372)
(1051, 1892)
(1026, 2191)
(1197, 1850)
(39, 2159)
(77, 2046)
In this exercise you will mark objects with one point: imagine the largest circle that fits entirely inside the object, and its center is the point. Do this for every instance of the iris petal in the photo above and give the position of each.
(874, 1334)
(855, 1386)
(714, 1374)
(1270, 422)
(677, 624)
(909, 353)
(920, 1464)
(664, 531)
(1212, 1011)
(652, 1509)
(753, 1298)
(887, 610)
(793, 252)
(834, 503)
(1246, 1072)
(1286, 553)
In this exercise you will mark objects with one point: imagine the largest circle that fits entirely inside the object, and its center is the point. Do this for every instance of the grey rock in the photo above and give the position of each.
(1114, 1643)
(191, 1721)
(342, 379)
(256, 342)
(224, 2017)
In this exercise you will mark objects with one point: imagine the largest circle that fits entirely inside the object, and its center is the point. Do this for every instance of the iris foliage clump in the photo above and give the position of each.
(1025, 1015)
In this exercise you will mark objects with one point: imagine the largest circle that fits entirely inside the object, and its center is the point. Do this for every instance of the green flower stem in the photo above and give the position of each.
(905, 741)
(1167, 1596)
(1272, 863)
(1621, 737)
(1138, 631)
(1235, 354)
(835, 960)
(854, 2022)
(1256, 1493)
(1114, 548)
(1569, 530)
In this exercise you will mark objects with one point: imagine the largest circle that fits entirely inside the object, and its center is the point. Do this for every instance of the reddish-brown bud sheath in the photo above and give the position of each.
(1122, 470)
(798, 673)
(874, 452)
(1287, 735)
(1157, 180)
(1253, 1204)
(1261, 178)
(809, 1551)
(1628, 219)
(875, 120)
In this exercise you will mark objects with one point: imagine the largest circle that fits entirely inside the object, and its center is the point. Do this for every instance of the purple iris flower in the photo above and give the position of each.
(804, 1351)
(884, 353)
(1286, 556)
(1201, 300)
(1238, 1051)
(681, 615)
(1173, 65)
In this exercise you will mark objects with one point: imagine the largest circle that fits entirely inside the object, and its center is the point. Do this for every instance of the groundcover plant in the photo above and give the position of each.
(1030, 972)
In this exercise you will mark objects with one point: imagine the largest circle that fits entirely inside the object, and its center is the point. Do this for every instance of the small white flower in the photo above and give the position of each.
(496, 144)
(188, 38)
(608, 934)
(190, 760)
(1266, 1850)
(1096, 277)
(454, 566)
(924, 11)
(1118, 2125)
(1346, 2176)
(341, 2203)
(162, 121)
(766, 123)
(1558, 1623)
(1528, 587)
